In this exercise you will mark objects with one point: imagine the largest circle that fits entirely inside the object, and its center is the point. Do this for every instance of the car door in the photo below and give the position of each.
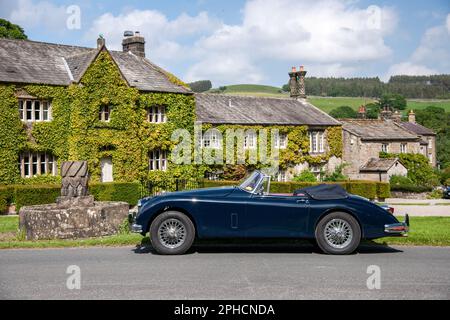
(276, 216)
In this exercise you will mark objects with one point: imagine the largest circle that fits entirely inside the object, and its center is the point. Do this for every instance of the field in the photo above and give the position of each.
(326, 103)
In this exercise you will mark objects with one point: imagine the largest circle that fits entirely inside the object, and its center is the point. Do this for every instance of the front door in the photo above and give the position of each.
(276, 216)
(107, 169)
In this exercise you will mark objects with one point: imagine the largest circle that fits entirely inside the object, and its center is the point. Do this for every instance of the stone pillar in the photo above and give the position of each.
(412, 116)
(297, 82)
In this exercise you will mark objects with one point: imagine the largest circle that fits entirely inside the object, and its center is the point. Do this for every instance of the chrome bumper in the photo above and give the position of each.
(399, 229)
(134, 227)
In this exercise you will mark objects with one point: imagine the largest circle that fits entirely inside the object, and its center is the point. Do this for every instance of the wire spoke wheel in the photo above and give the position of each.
(338, 233)
(172, 233)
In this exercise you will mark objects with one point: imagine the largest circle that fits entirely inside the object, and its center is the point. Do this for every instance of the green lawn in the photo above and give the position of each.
(432, 231)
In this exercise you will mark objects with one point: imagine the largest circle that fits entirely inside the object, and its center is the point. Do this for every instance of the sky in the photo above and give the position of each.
(255, 41)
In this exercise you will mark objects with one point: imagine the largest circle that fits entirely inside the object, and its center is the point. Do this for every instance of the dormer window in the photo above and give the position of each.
(34, 110)
(156, 114)
(104, 113)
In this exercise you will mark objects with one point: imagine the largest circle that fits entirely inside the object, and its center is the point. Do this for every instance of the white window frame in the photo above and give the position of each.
(211, 139)
(37, 109)
(316, 142)
(385, 147)
(33, 164)
(157, 160)
(104, 115)
(430, 143)
(156, 114)
(250, 140)
(403, 148)
(281, 141)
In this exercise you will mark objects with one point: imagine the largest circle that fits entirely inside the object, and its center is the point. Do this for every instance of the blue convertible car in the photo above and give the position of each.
(327, 213)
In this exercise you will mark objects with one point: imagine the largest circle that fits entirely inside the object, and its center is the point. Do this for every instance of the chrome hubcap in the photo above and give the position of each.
(338, 233)
(172, 233)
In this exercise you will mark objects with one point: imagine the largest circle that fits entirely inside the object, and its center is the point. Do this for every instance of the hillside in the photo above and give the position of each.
(326, 103)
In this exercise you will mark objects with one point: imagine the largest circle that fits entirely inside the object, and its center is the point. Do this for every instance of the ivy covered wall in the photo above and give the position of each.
(76, 133)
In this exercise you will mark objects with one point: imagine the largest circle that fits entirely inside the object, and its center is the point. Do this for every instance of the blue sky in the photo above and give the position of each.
(256, 41)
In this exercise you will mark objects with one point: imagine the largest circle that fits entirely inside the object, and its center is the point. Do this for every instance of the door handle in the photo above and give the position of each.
(303, 201)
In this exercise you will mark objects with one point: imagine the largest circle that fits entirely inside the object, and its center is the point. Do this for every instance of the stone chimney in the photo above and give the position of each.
(397, 117)
(297, 83)
(386, 113)
(362, 112)
(134, 42)
(100, 41)
(412, 116)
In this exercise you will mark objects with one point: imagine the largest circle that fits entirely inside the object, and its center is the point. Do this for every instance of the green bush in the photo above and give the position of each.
(116, 191)
(367, 189)
(41, 180)
(28, 195)
(405, 184)
(6, 197)
(305, 176)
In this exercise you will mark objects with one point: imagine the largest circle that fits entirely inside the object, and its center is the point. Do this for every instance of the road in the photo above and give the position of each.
(226, 272)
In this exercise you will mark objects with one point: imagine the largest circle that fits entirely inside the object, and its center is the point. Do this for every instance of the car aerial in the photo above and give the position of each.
(326, 213)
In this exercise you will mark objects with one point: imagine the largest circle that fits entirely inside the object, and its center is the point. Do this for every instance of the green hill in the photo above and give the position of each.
(253, 89)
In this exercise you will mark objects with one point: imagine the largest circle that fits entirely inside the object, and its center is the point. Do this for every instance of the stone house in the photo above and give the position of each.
(427, 137)
(364, 139)
(117, 110)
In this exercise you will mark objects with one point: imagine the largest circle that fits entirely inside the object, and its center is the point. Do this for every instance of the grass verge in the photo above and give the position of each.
(426, 231)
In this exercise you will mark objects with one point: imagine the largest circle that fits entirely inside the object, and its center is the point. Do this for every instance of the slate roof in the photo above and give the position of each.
(247, 110)
(369, 129)
(417, 128)
(24, 61)
(375, 164)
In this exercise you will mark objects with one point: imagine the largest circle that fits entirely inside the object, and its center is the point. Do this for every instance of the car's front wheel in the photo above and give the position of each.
(172, 232)
(338, 233)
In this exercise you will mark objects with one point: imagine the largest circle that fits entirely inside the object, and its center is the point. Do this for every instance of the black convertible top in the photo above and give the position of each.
(324, 192)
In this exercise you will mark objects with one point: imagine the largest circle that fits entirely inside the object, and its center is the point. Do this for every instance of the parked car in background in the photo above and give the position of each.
(446, 192)
(338, 221)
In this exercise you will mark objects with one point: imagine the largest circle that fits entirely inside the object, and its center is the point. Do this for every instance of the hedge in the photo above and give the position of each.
(27, 195)
(411, 188)
(367, 189)
(116, 191)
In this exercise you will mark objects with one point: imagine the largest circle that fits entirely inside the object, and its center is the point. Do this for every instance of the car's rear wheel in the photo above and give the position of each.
(338, 233)
(172, 232)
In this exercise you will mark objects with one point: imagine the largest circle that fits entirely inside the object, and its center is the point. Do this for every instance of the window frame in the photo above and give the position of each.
(281, 141)
(156, 114)
(30, 164)
(250, 144)
(157, 160)
(104, 114)
(316, 141)
(403, 148)
(33, 110)
(385, 147)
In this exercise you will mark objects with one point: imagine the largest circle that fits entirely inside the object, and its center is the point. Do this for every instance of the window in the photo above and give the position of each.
(104, 113)
(212, 139)
(34, 110)
(36, 163)
(430, 143)
(316, 143)
(156, 114)
(403, 148)
(158, 160)
(281, 142)
(385, 147)
(281, 176)
(250, 140)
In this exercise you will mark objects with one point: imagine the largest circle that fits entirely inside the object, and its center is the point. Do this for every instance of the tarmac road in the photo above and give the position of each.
(226, 272)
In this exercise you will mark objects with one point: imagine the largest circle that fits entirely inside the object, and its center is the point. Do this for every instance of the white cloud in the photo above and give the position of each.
(432, 56)
(333, 35)
(163, 36)
(29, 14)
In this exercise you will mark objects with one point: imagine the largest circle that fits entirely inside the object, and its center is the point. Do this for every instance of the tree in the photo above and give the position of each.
(200, 86)
(343, 112)
(438, 120)
(393, 101)
(372, 111)
(11, 31)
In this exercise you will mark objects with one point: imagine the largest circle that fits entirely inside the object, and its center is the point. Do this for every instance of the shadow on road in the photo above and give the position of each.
(265, 246)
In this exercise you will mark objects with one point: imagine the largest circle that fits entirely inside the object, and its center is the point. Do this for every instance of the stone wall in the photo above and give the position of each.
(70, 222)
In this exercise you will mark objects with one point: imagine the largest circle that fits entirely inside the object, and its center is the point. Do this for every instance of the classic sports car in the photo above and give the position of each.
(327, 213)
